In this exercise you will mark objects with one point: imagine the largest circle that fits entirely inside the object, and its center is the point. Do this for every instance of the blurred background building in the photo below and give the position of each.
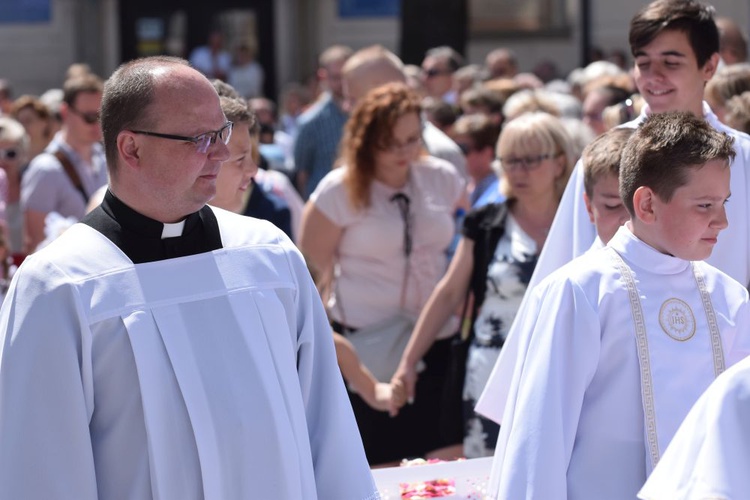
(39, 39)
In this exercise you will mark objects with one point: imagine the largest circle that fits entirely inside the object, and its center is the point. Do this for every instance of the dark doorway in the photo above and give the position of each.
(176, 27)
(426, 24)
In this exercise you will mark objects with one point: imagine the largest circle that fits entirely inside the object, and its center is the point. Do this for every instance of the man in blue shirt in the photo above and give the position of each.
(321, 126)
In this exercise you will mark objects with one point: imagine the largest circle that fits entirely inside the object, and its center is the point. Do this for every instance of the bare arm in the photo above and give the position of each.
(319, 239)
(446, 297)
(354, 372)
(377, 395)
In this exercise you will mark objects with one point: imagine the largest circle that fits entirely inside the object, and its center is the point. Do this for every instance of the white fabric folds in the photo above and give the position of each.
(709, 457)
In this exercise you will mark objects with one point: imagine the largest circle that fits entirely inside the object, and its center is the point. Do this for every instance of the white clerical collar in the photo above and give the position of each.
(640, 254)
(173, 230)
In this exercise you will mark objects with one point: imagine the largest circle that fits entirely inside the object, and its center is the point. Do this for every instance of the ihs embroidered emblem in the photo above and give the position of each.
(677, 320)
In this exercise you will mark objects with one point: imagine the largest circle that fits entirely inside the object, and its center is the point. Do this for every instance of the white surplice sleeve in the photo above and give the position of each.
(740, 346)
(341, 468)
(709, 457)
(46, 391)
(546, 394)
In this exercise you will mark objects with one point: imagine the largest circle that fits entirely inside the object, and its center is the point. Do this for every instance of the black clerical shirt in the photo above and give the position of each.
(140, 237)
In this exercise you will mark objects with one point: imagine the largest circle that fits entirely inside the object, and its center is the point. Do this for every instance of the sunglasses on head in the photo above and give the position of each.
(8, 154)
(89, 117)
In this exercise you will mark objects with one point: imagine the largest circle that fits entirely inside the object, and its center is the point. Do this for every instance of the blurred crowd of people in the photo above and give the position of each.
(375, 173)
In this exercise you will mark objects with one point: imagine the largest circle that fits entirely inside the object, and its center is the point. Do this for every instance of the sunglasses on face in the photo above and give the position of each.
(467, 148)
(8, 154)
(201, 141)
(89, 117)
(433, 72)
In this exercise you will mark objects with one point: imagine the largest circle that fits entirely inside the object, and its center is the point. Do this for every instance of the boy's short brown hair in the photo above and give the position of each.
(692, 18)
(661, 151)
(602, 157)
(237, 111)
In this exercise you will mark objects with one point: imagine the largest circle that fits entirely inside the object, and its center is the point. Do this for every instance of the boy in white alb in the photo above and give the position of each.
(621, 342)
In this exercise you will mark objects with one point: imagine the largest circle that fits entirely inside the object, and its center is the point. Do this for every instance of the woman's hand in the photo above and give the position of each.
(403, 385)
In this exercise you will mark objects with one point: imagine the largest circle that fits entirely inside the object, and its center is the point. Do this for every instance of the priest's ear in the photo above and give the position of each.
(128, 149)
(644, 204)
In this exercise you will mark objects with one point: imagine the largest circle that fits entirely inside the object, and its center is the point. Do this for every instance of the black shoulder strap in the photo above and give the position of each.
(72, 173)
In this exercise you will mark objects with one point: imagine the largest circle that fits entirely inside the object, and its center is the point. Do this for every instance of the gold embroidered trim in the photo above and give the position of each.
(713, 325)
(647, 388)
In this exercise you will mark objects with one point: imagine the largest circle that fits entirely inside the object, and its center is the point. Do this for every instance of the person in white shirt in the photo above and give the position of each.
(162, 348)
(375, 232)
(246, 75)
(212, 59)
(621, 342)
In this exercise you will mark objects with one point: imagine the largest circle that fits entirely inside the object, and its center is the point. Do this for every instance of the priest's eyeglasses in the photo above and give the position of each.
(201, 141)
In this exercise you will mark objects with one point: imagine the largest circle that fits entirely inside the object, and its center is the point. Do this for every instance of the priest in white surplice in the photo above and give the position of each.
(164, 349)
(621, 342)
(676, 48)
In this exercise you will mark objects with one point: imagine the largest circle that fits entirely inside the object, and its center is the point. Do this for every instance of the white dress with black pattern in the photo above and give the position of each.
(507, 278)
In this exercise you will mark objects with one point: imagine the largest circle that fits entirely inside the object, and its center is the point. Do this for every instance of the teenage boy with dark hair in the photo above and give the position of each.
(675, 45)
(619, 344)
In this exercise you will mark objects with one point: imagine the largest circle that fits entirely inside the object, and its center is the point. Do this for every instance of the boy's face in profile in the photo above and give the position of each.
(606, 209)
(235, 174)
(689, 224)
(667, 74)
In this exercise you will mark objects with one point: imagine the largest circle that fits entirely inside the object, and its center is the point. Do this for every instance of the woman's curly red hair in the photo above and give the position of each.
(369, 128)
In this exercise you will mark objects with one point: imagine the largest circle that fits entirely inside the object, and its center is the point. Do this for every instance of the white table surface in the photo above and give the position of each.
(471, 476)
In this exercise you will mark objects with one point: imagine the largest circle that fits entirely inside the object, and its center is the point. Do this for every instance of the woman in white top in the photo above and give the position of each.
(376, 230)
(494, 262)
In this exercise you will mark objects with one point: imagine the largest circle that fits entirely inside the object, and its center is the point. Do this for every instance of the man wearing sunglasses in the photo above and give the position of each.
(162, 348)
(72, 168)
(437, 73)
